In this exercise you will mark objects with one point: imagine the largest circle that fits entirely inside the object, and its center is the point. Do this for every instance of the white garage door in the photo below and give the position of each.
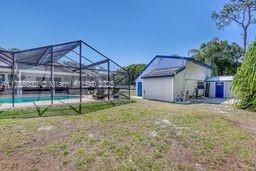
(159, 88)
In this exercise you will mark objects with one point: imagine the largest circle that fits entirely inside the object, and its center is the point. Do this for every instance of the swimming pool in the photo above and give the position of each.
(34, 98)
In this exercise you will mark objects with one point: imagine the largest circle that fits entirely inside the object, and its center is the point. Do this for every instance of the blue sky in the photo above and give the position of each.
(131, 31)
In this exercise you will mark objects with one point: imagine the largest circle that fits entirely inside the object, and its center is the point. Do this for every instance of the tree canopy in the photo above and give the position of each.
(135, 69)
(223, 56)
(14, 49)
(240, 12)
(244, 83)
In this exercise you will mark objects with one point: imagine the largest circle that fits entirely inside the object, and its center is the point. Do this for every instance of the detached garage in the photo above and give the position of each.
(218, 87)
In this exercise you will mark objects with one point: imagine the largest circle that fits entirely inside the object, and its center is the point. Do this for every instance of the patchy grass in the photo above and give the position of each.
(213, 139)
(60, 110)
(185, 137)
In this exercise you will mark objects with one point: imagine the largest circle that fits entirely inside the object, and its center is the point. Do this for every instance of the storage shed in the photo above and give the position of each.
(218, 87)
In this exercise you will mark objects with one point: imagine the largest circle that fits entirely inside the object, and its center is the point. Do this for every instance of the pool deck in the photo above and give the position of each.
(6, 106)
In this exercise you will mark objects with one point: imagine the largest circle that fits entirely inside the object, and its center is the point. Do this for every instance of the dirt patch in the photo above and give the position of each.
(182, 157)
(45, 128)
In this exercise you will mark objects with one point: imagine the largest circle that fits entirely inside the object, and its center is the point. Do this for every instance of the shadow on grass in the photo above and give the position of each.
(61, 110)
(216, 101)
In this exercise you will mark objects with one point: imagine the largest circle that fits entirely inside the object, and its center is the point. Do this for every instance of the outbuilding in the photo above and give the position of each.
(171, 78)
(218, 87)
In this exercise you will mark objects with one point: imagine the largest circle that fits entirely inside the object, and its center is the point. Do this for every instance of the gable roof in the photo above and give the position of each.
(190, 59)
(165, 72)
(176, 57)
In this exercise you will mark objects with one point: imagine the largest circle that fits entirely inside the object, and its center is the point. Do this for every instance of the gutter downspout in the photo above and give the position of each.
(173, 86)
(184, 80)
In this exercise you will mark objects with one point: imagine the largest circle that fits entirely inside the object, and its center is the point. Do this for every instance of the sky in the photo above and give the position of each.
(131, 31)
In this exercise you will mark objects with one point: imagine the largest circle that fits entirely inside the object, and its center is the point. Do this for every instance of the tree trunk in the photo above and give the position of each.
(245, 39)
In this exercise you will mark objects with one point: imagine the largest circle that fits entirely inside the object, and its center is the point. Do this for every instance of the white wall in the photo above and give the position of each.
(212, 90)
(196, 72)
(193, 74)
(158, 88)
(179, 84)
(226, 90)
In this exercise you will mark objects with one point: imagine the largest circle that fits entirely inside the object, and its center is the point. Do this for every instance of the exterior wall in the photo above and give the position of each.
(190, 86)
(212, 90)
(195, 73)
(159, 63)
(226, 89)
(31, 75)
(159, 88)
(6, 72)
(179, 84)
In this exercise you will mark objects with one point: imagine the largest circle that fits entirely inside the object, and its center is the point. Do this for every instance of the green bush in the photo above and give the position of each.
(244, 84)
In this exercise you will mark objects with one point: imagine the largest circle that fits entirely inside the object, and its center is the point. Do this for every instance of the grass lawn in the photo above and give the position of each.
(143, 135)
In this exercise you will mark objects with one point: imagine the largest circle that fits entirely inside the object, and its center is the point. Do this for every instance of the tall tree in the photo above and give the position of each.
(224, 57)
(135, 69)
(240, 12)
(14, 49)
(244, 83)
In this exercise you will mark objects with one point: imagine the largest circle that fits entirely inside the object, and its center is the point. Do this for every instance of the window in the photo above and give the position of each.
(10, 77)
(2, 78)
(200, 85)
(57, 81)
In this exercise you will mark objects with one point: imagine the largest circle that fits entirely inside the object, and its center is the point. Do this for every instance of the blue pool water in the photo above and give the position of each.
(35, 98)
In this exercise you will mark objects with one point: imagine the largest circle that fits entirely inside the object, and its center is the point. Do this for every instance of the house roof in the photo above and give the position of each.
(42, 55)
(175, 57)
(219, 78)
(165, 72)
(5, 58)
(40, 58)
(187, 59)
(37, 56)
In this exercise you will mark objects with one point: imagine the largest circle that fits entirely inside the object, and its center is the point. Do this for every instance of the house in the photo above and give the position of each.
(169, 78)
(218, 87)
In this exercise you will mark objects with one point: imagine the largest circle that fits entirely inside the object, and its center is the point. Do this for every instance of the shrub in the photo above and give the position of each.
(244, 84)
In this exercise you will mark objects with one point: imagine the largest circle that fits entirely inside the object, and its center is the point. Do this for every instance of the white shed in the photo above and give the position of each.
(218, 87)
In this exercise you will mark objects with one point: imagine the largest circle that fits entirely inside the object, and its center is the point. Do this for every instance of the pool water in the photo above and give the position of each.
(35, 98)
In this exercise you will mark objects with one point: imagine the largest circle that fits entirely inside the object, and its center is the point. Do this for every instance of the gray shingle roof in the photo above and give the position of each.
(163, 72)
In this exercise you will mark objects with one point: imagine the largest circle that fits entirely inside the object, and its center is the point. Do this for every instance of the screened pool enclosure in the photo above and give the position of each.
(72, 72)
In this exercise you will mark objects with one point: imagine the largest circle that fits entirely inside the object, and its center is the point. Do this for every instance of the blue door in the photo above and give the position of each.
(219, 90)
(139, 89)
